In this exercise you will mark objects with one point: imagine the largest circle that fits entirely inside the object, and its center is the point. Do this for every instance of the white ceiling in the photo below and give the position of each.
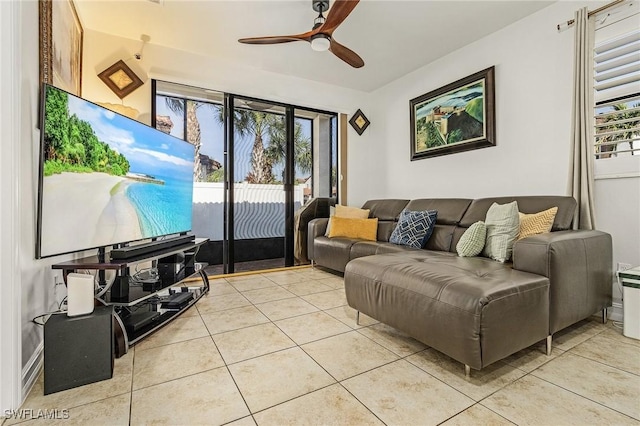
(393, 37)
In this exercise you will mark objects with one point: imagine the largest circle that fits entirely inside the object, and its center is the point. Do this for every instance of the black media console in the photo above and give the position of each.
(144, 304)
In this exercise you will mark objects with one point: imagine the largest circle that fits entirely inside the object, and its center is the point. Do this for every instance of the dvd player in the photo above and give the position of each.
(177, 300)
(140, 249)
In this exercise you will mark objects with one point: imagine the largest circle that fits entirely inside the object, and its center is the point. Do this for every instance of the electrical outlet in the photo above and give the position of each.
(57, 280)
(623, 266)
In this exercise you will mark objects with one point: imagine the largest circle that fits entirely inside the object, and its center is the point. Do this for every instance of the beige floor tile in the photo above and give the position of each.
(219, 287)
(306, 287)
(625, 356)
(328, 406)
(246, 277)
(108, 412)
(477, 415)
(233, 319)
(286, 308)
(207, 398)
(283, 278)
(577, 333)
(532, 357)
(314, 326)
(238, 345)
(213, 303)
(347, 315)
(392, 339)
(245, 421)
(119, 384)
(614, 333)
(271, 379)
(169, 362)
(268, 294)
(609, 386)
(348, 354)
(481, 383)
(178, 330)
(316, 274)
(401, 394)
(333, 282)
(257, 282)
(327, 299)
(532, 401)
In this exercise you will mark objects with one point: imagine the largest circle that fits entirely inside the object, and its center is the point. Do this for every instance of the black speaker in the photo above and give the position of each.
(78, 350)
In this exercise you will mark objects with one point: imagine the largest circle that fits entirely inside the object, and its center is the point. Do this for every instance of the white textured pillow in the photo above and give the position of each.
(472, 241)
(503, 226)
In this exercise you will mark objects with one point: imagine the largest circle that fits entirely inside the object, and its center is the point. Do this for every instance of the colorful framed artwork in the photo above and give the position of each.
(61, 37)
(457, 117)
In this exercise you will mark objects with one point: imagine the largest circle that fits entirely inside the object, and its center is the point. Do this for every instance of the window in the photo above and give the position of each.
(617, 85)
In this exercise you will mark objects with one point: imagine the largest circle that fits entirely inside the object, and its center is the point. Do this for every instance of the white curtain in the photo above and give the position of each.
(582, 157)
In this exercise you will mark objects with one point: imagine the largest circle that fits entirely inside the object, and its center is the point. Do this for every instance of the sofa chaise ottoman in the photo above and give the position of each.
(474, 309)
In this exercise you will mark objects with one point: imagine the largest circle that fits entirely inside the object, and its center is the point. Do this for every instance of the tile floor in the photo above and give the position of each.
(282, 348)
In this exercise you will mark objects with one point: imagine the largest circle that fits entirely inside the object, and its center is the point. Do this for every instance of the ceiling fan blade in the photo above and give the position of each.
(346, 54)
(337, 13)
(278, 39)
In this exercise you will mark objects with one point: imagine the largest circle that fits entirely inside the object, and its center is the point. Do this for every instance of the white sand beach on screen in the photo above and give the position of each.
(86, 210)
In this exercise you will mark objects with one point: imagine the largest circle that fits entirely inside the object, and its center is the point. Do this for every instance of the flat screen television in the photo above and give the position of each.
(106, 179)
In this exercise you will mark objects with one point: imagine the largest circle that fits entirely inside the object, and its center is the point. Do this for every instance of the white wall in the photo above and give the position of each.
(34, 283)
(533, 106)
(10, 52)
(102, 50)
(533, 64)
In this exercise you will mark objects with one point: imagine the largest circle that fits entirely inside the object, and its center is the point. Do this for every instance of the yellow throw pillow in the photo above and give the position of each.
(351, 212)
(364, 229)
(537, 223)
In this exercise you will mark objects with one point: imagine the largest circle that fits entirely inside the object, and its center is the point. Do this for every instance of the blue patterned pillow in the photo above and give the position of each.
(414, 228)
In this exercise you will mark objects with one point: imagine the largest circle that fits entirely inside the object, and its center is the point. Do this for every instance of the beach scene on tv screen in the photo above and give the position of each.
(108, 179)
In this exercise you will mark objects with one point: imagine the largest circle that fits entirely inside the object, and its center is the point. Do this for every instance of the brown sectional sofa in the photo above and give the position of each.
(474, 309)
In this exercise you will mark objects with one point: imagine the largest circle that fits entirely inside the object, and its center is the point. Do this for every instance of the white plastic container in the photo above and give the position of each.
(631, 302)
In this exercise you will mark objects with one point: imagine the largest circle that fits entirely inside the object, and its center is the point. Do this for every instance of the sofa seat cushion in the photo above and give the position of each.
(370, 248)
(475, 310)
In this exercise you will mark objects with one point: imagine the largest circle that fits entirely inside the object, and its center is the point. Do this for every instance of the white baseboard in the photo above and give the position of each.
(31, 371)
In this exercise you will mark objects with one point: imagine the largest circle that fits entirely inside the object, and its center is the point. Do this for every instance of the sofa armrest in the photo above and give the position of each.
(579, 265)
(316, 228)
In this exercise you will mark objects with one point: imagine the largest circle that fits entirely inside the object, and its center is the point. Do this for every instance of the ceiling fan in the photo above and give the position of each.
(321, 36)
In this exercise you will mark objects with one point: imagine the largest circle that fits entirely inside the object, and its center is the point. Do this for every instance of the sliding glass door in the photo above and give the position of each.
(257, 162)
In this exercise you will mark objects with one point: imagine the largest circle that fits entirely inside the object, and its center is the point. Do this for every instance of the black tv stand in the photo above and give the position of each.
(142, 308)
(140, 249)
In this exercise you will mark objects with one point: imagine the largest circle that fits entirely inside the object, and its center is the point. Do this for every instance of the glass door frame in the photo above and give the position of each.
(228, 243)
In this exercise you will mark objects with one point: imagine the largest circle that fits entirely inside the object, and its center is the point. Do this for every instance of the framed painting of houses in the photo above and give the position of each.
(60, 45)
(457, 117)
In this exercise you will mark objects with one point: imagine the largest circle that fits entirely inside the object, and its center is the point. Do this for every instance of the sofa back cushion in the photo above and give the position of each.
(450, 211)
(385, 209)
(526, 204)
(387, 212)
(477, 211)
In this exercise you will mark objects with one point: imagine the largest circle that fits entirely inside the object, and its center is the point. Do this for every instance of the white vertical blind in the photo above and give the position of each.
(617, 92)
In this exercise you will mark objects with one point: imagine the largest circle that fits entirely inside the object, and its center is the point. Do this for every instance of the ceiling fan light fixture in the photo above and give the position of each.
(320, 42)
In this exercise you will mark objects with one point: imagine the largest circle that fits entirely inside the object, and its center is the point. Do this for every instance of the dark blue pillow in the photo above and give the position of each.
(414, 228)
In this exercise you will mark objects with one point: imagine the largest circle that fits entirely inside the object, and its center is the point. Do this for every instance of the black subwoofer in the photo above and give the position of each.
(78, 350)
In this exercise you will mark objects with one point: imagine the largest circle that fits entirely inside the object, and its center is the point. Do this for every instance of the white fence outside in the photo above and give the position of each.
(259, 209)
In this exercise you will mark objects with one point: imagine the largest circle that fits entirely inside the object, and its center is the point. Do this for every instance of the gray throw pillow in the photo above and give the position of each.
(472, 241)
(503, 226)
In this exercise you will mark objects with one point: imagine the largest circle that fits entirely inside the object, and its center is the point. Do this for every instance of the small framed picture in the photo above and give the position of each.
(359, 122)
(121, 79)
